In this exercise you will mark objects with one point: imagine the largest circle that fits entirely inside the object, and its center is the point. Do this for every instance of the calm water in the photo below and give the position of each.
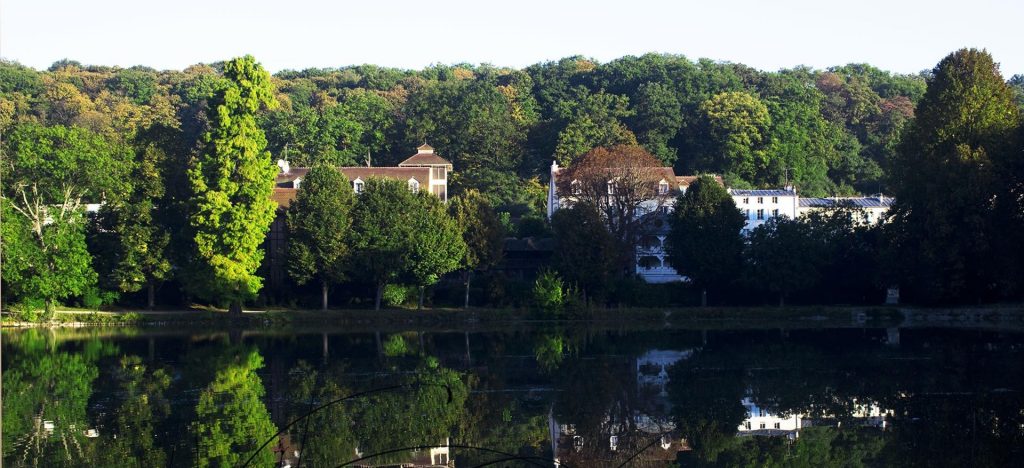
(515, 397)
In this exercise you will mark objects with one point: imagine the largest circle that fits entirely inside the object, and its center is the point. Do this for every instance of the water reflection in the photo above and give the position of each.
(581, 396)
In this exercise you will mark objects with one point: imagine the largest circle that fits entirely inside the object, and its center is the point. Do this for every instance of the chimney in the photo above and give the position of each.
(283, 164)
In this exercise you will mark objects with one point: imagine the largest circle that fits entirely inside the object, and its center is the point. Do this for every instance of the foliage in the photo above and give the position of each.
(231, 182)
(482, 232)
(946, 175)
(783, 257)
(549, 292)
(737, 124)
(318, 225)
(704, 242)
(231, 419)
(383, 220)
(395, 295)
(585, 253)
(436, 246)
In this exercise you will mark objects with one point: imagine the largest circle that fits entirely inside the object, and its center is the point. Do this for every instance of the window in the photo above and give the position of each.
(414, 185)
(760, 200)
(296, 182)
(611, 187)
(746, 200)
(775, 199)
(747, 425)
(746, 213)
(775, 213)
(762, 425)
(357, 185)
(575, 187)
(778, 426)
(663, 188)
(760, 214)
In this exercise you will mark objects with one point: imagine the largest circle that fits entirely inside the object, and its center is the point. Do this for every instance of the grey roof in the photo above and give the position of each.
(859, 202)
(762, 193)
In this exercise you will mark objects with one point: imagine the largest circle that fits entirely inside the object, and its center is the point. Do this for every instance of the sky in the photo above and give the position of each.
(904, 36)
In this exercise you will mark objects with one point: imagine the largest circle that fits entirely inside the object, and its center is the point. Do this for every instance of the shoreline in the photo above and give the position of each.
(1010, 317)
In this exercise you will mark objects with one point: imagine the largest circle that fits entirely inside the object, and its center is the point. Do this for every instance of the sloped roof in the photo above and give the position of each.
(421, 174)
(283, 196)
(688, 180)
(859, 202)
(425, 156)
(762, 193)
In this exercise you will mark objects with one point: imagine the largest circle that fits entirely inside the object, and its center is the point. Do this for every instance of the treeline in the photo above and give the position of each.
(181, 161)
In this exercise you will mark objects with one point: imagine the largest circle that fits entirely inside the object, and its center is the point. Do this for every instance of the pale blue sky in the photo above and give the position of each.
(896, 35)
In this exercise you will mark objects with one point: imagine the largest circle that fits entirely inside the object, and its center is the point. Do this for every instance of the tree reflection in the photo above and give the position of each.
(131, 441)
(231, 418)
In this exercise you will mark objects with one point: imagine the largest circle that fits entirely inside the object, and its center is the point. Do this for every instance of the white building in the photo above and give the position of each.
(761, 205)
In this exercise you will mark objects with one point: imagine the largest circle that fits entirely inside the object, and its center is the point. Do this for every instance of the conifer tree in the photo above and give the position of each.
(232, 180)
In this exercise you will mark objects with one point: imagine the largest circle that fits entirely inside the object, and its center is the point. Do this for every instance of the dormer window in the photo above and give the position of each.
(663, 188)
(611, 187)
(414, 185)
(357, 185)
(297, 182)
(575, 187)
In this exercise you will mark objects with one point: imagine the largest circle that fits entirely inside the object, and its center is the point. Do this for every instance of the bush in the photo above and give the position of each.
(549, 291)
(30, 310)
(396, 295)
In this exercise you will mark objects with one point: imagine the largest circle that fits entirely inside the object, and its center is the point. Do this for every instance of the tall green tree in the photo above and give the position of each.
(704, 242)
(436, 246)
(482, 232)
(946, 230)
(232, 180)
(318, 227)
(783, 257)
(383, 220)
(586, 254)
(737, 124)
(50, 174)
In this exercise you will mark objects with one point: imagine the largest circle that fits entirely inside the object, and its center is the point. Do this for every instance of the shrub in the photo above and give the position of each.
(549, 291)
(30, 310)
(396, 294)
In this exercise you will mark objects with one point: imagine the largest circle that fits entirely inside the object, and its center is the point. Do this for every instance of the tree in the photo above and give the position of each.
(130, 232)
(623, 183)
(592, 120)
(704, 242)
(50, 174)
(232, 181)
(482, 233)
(737, 125)
(383, 220)
(783, 257)
(585, 253)
(945, 235)
(436, 246)
(318, 225)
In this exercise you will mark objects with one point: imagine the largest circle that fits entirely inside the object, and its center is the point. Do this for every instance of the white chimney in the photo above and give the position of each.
(283, 164)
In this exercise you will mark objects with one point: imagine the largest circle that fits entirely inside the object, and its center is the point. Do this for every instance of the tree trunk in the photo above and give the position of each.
(323, 295)
(469, 277)
(151, 293)
(235, 310)
(380, 293)
(419, 304)
(704, 297)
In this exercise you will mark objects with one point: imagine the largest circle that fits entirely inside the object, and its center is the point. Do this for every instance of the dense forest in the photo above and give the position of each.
(132, 135)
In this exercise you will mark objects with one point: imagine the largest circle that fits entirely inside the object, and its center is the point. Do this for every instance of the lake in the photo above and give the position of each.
(584, 394)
